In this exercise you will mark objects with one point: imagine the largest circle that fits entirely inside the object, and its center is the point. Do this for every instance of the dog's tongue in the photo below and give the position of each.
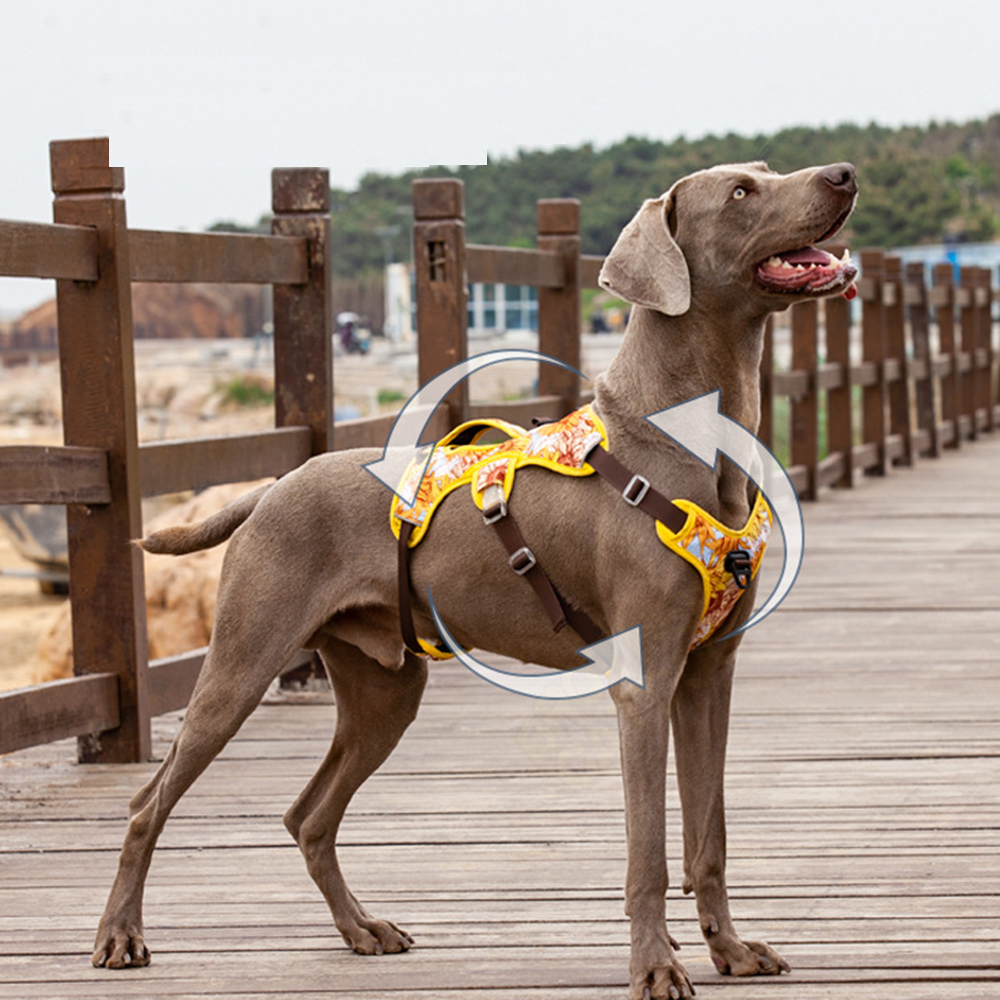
(811, 255)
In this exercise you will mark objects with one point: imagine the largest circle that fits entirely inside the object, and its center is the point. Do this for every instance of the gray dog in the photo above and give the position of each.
(314, 565)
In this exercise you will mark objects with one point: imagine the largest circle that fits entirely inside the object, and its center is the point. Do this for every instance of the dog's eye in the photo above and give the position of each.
(740, 192)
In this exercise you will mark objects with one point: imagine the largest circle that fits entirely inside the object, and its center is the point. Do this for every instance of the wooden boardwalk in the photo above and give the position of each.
(863, 789)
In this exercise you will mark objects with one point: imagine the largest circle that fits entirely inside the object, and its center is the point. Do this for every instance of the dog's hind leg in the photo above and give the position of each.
(700, 721)
(233, 679)
(374, 707)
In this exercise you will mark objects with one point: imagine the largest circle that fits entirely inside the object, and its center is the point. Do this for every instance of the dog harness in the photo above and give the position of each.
(726, 559)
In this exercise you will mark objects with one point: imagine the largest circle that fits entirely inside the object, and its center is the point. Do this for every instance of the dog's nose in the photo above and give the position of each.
(841, 176)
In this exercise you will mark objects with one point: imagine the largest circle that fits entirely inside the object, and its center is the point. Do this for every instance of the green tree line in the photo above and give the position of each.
(919, 184)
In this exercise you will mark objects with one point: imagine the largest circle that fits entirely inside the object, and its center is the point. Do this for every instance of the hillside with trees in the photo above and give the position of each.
(919, 184)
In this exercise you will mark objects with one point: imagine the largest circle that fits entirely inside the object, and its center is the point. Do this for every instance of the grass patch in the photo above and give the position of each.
(386, 397)
(247, 390)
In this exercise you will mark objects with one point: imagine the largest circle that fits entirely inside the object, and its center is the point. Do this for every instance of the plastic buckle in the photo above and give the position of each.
(495, 512)
(638, 487)
(738, 563)
(522, 560)
(494, 504)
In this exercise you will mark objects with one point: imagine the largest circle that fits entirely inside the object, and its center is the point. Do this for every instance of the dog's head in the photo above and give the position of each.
(739, 231)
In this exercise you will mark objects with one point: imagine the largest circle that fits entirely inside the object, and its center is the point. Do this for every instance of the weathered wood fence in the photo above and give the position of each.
(915, 399)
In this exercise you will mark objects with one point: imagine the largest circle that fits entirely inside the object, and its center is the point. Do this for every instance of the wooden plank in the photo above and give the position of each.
(874, 397)
(172, 679)
(514, 266)
(38, 250)
(58, 710)
(257, 259)
(590, 268)
(793, 384)
(805, 407)
(53, 475)
(839, 402)
(196, 463)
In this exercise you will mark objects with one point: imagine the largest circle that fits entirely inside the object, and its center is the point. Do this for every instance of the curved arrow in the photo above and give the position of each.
(611, 661)
(403, 444)
(700, 426)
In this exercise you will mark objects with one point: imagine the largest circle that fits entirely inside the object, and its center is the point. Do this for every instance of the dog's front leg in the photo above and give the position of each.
(644, 735)
(700, 718)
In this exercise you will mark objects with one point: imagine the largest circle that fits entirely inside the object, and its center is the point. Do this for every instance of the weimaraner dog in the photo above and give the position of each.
(312, 564)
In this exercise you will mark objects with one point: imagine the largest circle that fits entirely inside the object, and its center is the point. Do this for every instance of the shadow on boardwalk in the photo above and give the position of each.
(863, 791)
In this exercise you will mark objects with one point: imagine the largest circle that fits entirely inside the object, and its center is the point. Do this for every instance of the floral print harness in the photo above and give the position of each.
(460, 459)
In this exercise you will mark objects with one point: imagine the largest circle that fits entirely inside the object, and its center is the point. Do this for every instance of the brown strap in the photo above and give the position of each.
(522, 561)
(636, 490)
(406, 625)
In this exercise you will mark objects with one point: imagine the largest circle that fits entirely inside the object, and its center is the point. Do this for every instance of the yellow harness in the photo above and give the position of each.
(461, 458)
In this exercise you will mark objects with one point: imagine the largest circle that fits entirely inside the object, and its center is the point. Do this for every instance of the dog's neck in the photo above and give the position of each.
(665, 360)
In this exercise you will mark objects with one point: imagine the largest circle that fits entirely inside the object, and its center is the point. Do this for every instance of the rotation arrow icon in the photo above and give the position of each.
(612, 661)
(403, 444)
(700, 426)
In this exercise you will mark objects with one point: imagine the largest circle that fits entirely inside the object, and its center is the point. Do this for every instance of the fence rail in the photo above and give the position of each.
(908, 373)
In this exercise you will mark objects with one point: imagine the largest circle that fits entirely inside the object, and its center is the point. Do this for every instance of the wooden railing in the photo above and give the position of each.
(901, 400)
(926, 379)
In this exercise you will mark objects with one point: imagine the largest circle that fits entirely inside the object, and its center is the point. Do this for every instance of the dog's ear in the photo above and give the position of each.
(646, 266)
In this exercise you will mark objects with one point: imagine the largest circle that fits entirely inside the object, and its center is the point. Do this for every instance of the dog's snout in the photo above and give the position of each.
(841, 176)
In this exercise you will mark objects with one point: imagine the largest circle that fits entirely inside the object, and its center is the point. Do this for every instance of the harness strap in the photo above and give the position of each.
(635, 489)
(522, 561)
(406, 625)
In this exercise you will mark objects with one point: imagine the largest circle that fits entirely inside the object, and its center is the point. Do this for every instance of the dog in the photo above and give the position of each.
(313, 564)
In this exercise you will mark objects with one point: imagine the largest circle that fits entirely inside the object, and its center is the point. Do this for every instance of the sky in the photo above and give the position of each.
(202, 98)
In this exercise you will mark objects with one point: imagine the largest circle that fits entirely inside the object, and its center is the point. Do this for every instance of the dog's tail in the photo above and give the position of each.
(183, 538)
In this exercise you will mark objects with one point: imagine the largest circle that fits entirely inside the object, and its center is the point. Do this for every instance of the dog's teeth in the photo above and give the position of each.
(799, 267)
(773, 262)
(787, 266)
(846, 259)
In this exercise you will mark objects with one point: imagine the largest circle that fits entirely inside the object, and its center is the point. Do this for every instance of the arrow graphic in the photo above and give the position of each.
(403, 444)
(611, 661)
(703, 429)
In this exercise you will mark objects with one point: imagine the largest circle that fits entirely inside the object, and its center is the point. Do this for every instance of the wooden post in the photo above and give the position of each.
(916, 293)
(992, 382)
(984, 341)
(839, 402)
(899, 392)
(765, 432)
(968, 319)
(874, 397)
(439, 258)
(560, 321)
(951, 384)
(98, 390)
(805, 409)
(303, 320)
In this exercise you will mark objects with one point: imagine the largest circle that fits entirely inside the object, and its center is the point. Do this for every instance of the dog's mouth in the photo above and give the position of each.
(809, 271)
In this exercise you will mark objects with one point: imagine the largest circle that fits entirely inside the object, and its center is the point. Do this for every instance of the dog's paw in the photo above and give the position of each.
(123, 948)
(748, 958)
(663, 982)
(376, 937)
